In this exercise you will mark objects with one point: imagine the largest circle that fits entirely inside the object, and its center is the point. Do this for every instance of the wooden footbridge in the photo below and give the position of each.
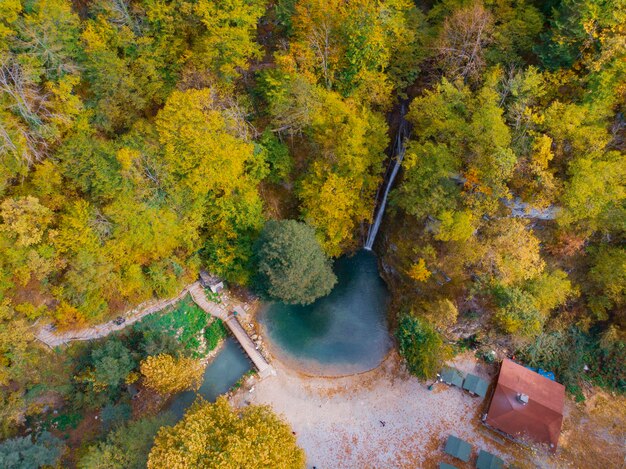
(199, 297)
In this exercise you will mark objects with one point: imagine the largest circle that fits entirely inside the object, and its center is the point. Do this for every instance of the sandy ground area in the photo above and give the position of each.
(338, 421)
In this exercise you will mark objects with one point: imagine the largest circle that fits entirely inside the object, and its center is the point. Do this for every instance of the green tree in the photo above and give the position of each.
(126, 447)
(455, 226)
(82, 294)
(441, 313)
(234, 223)
(112, 416)
(24, 220)
(201, 151)
(24, 452)
(461, 155)
(277, 158)
(291, 266)
(18, 360)
(127, 68)
(463, 39)
(517, 312)
(421, 347)
(607, 281)
(38, 75)
(339, 186)
(594, 194)
(112, 362)
(216, 435)
(511, 251)
(361, 49)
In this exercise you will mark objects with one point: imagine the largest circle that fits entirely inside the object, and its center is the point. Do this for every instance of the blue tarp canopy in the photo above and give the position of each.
(452, 376)
(475, 385)
(542, 372)
(458, 448)
(488, 461)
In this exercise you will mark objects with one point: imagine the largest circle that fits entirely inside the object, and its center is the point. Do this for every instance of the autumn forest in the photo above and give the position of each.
(144, 140)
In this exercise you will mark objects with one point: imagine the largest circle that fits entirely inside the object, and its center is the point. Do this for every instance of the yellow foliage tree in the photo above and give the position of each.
(512, 251)
(201, 151)
(360, 48)
(227, 43)
(337, 193)
(218, 436)
(168, 375)
(25, 219)
(419, 272)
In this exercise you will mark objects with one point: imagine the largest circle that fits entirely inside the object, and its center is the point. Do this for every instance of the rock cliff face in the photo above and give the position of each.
(395, 245)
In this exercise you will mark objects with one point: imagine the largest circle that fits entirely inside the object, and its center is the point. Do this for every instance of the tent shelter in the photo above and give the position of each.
(475, 385)
(526, 405)
(458, 448)
(452, 377)
(487, 460)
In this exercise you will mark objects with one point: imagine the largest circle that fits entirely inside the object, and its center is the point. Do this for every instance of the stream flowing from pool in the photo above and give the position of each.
(342, 333)
(228, 366)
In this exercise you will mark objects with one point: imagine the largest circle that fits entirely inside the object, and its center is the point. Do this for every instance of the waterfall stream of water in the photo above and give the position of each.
(398, 152)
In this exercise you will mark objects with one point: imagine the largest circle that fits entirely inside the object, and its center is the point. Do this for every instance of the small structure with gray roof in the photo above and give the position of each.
(475, 385)
(487, 460)
(458, 448)
(452, 377)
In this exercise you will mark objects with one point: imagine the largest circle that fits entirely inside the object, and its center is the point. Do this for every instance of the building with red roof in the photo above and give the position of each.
(526, 405)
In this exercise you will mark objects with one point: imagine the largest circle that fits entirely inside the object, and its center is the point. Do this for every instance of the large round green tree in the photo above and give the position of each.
(291, 266)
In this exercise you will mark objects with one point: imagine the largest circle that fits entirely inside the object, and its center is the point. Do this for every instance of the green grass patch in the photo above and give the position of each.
(214, 333)
(214, 297)
(185, 321)
(63, 421)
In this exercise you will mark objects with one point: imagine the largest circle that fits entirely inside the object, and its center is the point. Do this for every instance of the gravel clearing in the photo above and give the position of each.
(339, 421)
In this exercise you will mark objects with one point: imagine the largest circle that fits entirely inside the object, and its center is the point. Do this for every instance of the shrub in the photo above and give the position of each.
(421, 347)
(568, 352)
(185, 323)
(215, 332)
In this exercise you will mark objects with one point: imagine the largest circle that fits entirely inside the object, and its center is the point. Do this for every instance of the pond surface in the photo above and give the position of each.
(342, 333)
(228, 366)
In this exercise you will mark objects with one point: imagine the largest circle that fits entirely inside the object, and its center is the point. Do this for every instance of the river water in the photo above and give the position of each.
(345, 332)
(228, 366)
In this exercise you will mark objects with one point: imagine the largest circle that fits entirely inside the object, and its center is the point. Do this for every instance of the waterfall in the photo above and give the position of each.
(396, 162)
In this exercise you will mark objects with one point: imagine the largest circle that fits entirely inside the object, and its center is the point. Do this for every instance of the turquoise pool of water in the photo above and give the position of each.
(342, 333)
(230, 364)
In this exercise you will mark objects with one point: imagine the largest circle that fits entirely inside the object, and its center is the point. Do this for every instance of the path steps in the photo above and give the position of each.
(53, 339)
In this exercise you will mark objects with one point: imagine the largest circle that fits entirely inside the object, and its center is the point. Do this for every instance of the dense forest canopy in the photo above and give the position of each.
(143, 140)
